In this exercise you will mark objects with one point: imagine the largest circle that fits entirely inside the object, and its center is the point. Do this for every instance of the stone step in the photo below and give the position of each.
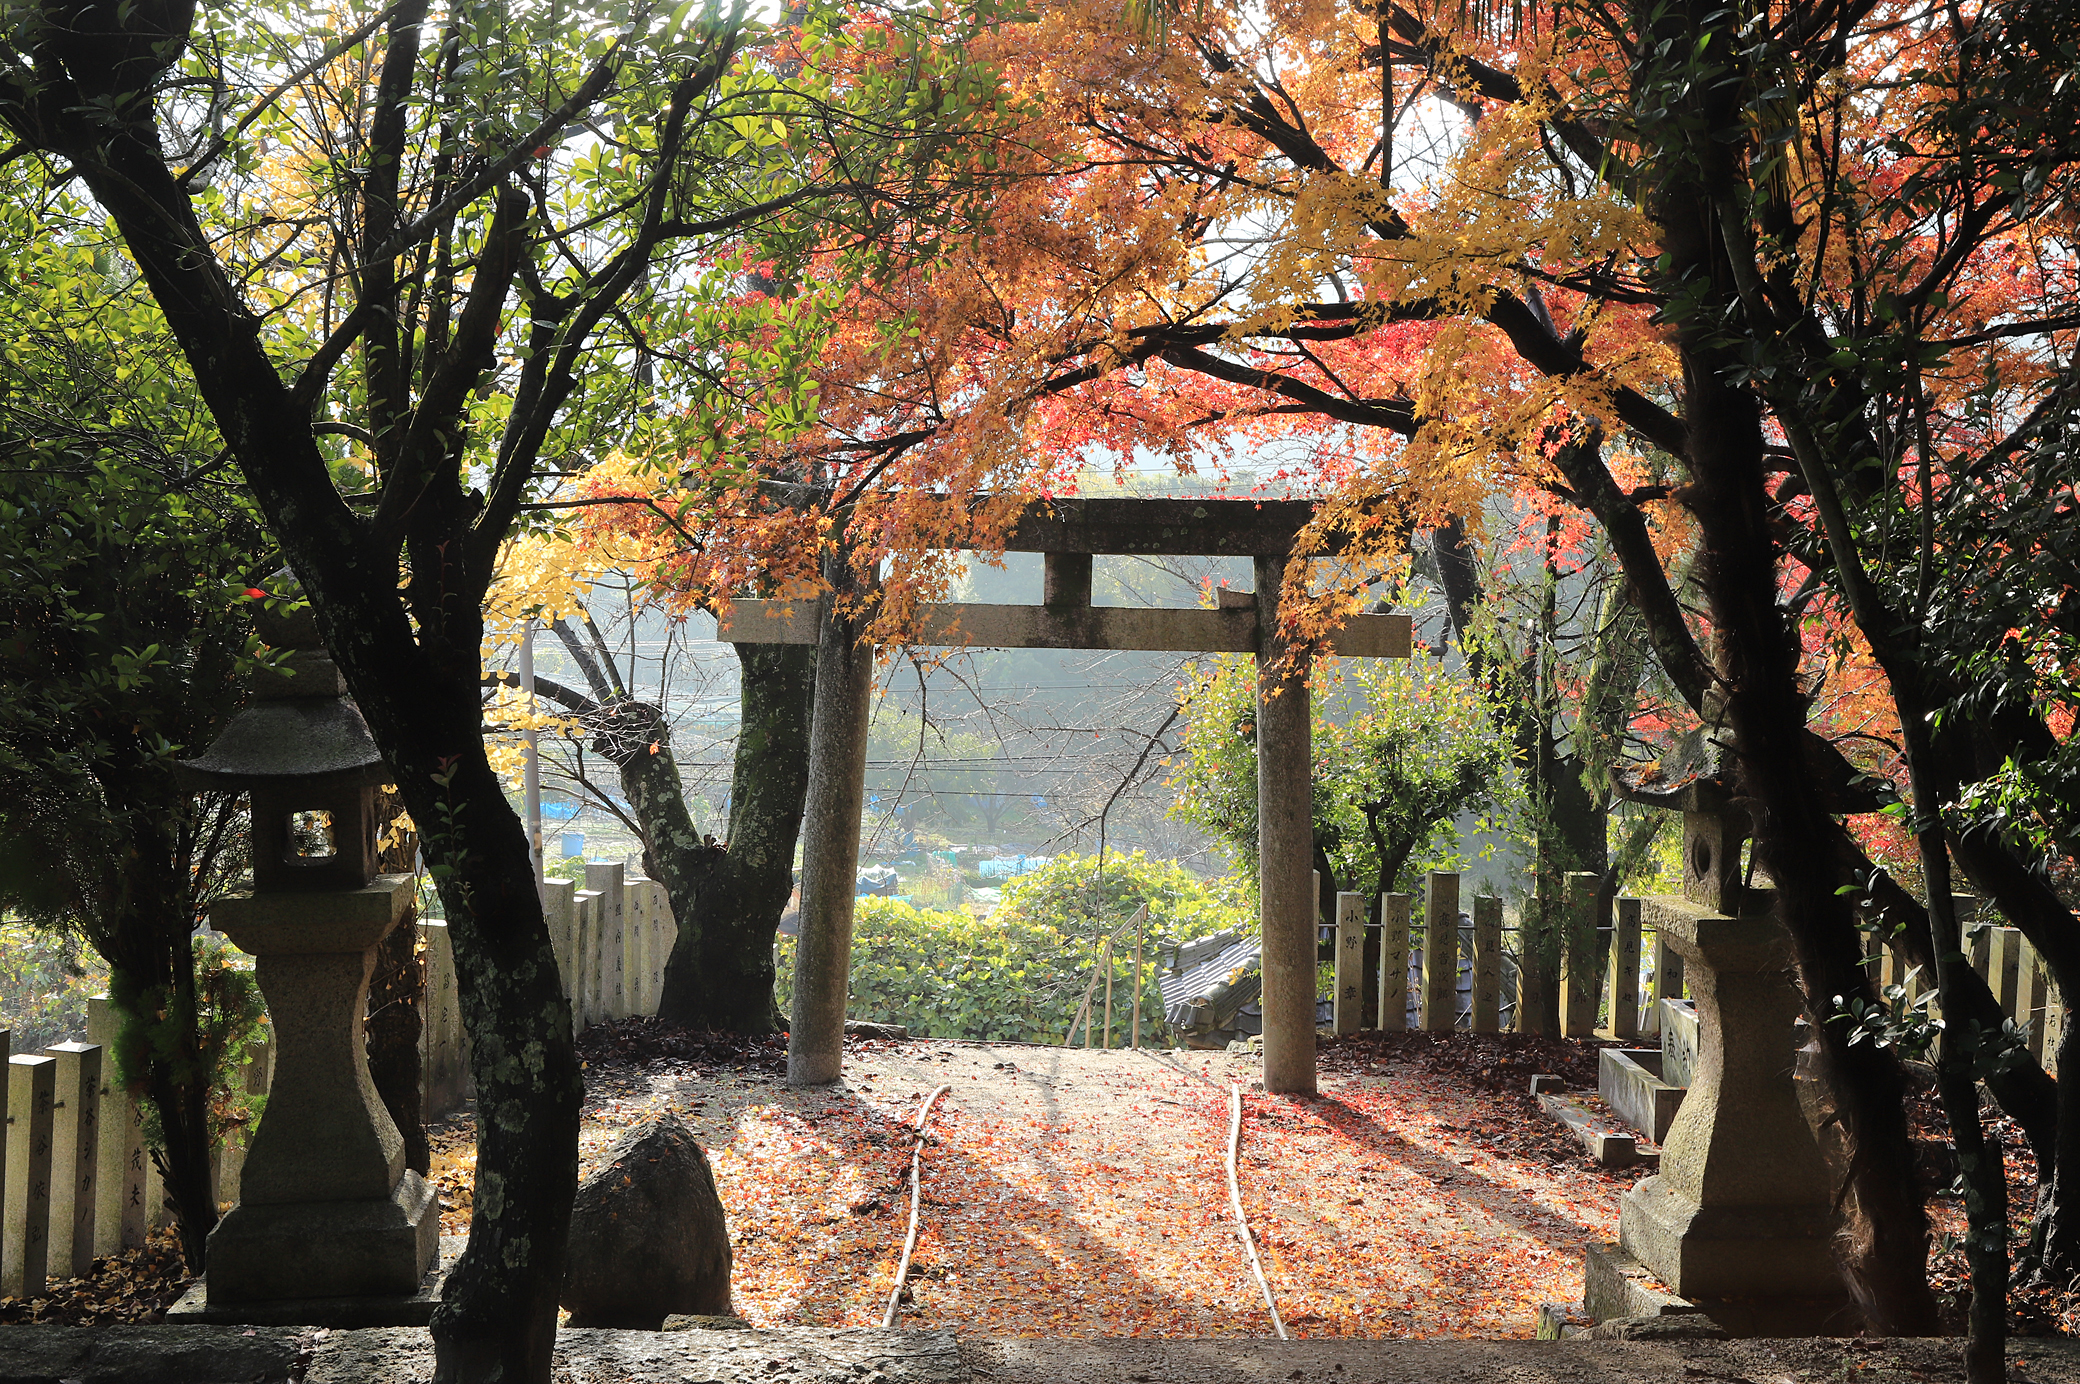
(1609, 1145)
(270, 1355)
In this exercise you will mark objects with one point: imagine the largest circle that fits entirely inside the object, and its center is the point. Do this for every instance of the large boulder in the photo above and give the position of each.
(648, 1238)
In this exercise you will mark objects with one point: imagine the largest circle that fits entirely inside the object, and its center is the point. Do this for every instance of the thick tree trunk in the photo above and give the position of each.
(2058, 1231)
(830, 838)
(727, 899)
(151, 960)
(1694, 63)
(497, 1318)
(2026, 1092)
(412, 661)
(721, 970)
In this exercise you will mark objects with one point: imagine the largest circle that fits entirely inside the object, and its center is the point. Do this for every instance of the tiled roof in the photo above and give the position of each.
(1204, 968)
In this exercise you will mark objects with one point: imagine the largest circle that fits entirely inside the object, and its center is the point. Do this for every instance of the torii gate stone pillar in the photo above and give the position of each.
(1285, 846)
(1068, 533)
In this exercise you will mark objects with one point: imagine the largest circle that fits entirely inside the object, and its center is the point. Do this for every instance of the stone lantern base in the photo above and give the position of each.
(326, 1249)
(1738, 1224)
(344, 1313)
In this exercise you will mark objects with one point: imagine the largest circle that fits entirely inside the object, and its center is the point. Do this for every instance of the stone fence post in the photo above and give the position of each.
(1487, 963)
(1393, 963)
(31, 1094)
(1623, 982)
(75, 1156)
(1441, 952)
(1350, 961)
(606, 878)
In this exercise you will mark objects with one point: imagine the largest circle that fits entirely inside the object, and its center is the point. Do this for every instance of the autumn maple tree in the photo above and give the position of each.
(1780, 297)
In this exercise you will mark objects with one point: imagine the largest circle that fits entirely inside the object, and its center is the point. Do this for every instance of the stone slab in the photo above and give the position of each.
(1616, 1287)
(1629, 1080)
(798, 1355)
(144, 1355)
(1145, 1360)
(415, 1310)
(248, 1355)
(1612, 1148)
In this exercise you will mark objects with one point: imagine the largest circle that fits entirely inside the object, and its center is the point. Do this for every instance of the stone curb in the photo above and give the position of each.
(404, 1355)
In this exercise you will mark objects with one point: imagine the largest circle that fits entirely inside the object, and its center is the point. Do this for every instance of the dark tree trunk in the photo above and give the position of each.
(497, 1318)
(2026, 1092)
(2058, 1230)
(720, 974)
(413, 668)
(152, 983)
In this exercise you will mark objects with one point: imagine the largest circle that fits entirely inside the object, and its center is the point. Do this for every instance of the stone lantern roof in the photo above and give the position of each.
(299, 724)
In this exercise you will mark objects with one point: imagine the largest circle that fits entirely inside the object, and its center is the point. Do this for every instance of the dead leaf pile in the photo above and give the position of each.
(137, 1285)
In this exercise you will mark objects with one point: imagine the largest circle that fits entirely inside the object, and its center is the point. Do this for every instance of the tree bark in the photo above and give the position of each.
(726, 899)
(151, 956)
(720, 974)
(1885, 1244)
(413, 668)
(830, 833)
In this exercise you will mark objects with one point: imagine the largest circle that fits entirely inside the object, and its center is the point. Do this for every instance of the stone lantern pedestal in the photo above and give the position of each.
(327, 1208)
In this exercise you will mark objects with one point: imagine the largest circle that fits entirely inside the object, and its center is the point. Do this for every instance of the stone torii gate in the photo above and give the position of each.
(1069, 533)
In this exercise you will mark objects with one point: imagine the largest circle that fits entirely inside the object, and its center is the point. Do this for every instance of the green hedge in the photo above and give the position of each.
(1019, 974)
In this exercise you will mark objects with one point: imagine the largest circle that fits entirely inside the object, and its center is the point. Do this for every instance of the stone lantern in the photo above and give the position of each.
(1738, 1224)
(327, 1209)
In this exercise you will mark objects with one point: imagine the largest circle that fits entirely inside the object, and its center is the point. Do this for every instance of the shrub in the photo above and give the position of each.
(1020, 974)
(46, 977)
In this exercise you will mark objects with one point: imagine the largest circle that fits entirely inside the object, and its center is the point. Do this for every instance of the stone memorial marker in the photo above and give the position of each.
(1393, 963)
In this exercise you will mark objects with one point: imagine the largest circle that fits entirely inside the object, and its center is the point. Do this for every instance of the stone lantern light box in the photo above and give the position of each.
(327, 1210)
(302, 751)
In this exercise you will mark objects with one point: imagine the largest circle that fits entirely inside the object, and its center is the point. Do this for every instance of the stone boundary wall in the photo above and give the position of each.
(1415, 935)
